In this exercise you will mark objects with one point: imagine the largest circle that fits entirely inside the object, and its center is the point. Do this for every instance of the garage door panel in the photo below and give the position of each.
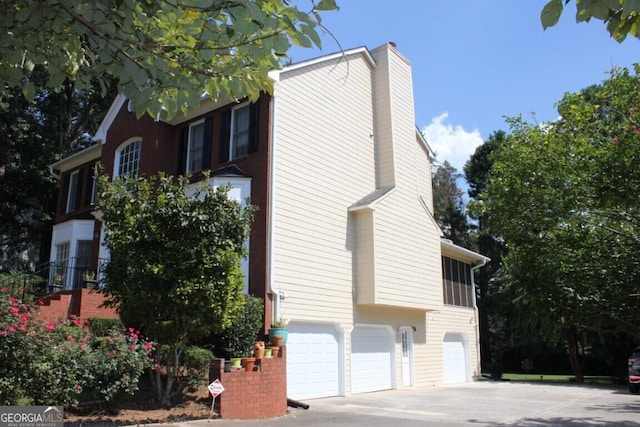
(455, 361)
(371, 359)
(312, 361)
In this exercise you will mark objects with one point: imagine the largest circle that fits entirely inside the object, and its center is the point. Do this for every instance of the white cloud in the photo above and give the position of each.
(451, 143)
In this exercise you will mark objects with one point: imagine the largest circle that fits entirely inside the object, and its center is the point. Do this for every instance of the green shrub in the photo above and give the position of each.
(238, 339)
(102, 327)
(55, 363)
(196, 363)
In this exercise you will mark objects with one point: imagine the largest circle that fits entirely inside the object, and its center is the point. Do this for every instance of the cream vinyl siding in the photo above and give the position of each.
(385, 164)
(456, 321)
(324, 153)
(365, 258)
(406, 254)
(423, 175)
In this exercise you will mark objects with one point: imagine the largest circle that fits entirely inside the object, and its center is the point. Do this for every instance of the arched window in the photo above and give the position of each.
(127, 159)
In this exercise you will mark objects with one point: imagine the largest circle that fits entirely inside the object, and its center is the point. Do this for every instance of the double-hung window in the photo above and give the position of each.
(240, 124)
(195, 152)
(238, 132)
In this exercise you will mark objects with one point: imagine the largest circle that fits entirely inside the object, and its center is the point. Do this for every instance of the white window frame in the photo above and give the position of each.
(233, 138)
(190, 150)
(63, 252)
(72, 191)
(120, 151)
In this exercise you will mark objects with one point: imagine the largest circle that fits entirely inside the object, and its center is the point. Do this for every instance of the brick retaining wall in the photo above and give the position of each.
(250, 395)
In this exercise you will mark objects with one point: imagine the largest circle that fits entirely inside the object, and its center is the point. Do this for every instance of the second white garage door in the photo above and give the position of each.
(312, 361)
(455, 359)
(372, 349)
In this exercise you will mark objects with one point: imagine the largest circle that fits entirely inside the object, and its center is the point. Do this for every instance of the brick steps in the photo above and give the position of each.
(83, 303)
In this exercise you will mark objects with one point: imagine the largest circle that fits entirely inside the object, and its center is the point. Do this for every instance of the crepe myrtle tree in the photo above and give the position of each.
(164, 54)
(174, 269)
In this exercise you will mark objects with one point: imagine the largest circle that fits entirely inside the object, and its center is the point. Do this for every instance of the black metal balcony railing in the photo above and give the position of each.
(73, 273)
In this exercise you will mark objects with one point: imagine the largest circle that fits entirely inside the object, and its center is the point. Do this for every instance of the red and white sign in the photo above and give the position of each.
(215, 388)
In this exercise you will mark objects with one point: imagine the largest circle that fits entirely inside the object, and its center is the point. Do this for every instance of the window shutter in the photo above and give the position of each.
(78, 201)
(225, 136)
(206, 144)
(88, 185)
(254, 124)
(62, 208)
(183, 145)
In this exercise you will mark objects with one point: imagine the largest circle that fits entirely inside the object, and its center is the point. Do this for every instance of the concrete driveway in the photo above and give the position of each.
(476, 404)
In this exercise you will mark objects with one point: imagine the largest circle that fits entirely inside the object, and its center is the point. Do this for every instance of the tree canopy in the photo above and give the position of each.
(494, 304)
(448, 205)
(622, 17)
(164, 54)
(560, 195)
(55, 125)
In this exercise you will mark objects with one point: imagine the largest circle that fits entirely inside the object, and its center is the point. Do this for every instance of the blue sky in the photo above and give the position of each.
(476, 61)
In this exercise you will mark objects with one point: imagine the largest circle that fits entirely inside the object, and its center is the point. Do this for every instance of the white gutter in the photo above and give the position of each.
(53, 173)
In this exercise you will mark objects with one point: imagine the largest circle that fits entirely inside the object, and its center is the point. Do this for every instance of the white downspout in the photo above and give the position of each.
(271, 227)
(475, 310)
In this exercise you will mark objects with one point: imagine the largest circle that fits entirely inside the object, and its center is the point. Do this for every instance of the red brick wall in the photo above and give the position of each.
(251, 395)
(90, 304)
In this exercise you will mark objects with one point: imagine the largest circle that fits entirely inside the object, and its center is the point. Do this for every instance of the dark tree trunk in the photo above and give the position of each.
(575, 358)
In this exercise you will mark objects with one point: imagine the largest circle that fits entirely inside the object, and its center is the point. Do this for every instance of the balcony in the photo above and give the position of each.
(70, 274)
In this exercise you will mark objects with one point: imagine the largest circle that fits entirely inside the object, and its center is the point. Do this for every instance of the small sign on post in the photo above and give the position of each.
(215, 388)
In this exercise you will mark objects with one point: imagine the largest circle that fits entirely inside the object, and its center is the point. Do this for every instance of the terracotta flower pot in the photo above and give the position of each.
(248, 363)
(276, 340)
(278, 332)
(258, 350)
(274, 351)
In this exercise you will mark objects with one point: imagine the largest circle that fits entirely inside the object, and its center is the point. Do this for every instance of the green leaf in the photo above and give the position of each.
(599, 10)
(22, 15)
(29, 91)
(629, 6)
(551, 13)
(313, 35)
(326, 5)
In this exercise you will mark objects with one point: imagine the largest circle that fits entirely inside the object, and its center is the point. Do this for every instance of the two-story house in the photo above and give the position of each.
(344, 244)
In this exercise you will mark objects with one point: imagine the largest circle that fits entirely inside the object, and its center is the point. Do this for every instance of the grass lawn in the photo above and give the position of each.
(558, 378)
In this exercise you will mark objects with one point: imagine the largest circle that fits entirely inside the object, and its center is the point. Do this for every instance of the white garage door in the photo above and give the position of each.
(312, 361)
(371, 359)
(455, 360)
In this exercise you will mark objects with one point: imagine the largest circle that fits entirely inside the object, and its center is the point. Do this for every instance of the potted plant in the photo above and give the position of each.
(89, 279)
(278, 329)
(237, 341)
